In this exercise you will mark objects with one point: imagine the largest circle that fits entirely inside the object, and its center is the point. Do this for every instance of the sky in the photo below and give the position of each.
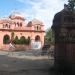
(43, 10)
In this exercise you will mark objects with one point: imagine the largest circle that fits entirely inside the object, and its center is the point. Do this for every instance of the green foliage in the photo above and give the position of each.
(71, 5)
(28, 41)
(21, 41)
(16, 40)
(49, 37)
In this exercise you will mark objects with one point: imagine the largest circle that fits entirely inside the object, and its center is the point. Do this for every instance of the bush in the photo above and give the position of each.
(16, 40)
(21, 41)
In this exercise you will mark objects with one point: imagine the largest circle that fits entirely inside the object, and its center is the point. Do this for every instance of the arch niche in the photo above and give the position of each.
(37, 38)
(6, 39)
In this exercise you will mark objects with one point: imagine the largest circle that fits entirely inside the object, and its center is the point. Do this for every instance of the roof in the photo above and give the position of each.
(34, 22)
(5, 21)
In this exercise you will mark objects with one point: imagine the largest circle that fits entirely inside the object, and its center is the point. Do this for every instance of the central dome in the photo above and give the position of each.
(16, 15)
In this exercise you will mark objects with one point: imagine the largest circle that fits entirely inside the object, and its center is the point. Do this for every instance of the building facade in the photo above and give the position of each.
(34, 30)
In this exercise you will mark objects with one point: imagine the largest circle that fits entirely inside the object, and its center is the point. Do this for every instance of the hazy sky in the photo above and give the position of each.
(43, 10)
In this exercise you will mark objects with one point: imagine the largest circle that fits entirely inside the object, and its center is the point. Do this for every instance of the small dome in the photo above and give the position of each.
(36, 22)
(16, 15)
(29, 24)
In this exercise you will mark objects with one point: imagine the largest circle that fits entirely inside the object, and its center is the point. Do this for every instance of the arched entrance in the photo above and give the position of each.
(36, 44)
(6, 39)
(22, 40)
(37, 38)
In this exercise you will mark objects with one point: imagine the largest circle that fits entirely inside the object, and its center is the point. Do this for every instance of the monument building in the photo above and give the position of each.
(16, 23)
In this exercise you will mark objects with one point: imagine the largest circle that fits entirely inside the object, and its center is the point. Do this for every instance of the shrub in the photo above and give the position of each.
(21, 41)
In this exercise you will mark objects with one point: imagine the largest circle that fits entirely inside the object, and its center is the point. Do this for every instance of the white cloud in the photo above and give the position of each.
(43, 10)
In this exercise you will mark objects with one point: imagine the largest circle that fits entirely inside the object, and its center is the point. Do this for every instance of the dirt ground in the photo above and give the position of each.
(20, 63)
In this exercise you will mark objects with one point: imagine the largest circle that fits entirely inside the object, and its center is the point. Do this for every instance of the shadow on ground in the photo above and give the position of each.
(66, 71)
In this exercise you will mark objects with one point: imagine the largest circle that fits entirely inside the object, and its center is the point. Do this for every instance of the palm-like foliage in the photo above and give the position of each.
(71, 5)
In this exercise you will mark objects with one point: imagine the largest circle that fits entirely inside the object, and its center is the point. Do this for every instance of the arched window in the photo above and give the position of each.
(37, 27)
(22, 37)
(28, 37)
(37, 38)
(29, 40)
(20, 24)
(6, 39)
(15, 24)
(9, 26)
(6, 25)
(16, 37)
(3, 26)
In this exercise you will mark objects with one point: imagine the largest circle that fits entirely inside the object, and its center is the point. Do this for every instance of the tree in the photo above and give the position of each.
(49, 37)
(71, 5)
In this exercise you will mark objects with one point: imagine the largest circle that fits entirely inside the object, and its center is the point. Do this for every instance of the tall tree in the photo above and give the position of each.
(71, 5)
(49, 38)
